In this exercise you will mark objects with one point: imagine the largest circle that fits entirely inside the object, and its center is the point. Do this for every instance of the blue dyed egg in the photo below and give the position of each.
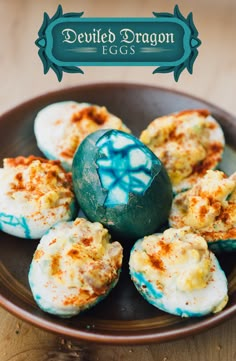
(119, 182)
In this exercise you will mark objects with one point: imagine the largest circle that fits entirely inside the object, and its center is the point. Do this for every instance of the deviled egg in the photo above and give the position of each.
(210, 209)
(60, 128)
(188, 143)
(176, 273)
(35, 193)
(74, 267)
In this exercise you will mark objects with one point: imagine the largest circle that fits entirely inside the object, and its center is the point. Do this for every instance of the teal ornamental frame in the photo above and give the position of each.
(190, 43)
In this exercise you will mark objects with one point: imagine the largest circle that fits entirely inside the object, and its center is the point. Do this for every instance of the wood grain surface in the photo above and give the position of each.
(22, 77)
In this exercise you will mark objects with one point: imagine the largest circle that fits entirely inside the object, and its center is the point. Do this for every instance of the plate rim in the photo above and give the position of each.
(153, 337)
(105, 338)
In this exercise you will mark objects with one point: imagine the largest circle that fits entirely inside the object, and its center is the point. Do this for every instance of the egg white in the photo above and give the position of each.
(209, 208)
(193, 136)
(23, 216)
(53, 124)
(76, 283)
(194, 303)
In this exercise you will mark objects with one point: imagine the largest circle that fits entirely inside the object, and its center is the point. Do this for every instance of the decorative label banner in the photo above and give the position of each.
(67, 41)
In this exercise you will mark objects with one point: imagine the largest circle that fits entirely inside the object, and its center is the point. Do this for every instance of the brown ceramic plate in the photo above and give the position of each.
(124, 316)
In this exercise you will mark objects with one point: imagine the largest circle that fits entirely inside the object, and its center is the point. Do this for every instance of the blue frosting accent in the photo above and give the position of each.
(14, 221)
(184, 313)
(154, 297)
(124, 166)
(150, 290)
(66, 312)
(26, 228)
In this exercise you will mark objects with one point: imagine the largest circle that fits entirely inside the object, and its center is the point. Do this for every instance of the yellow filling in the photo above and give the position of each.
(177, 255)
(181, 141)
(38, 181)
(209, 205)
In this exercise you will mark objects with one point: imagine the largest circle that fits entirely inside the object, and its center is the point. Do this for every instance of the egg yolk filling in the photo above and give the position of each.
(209, 207)
(42, 183)
(183, 143)
(176, 256)
(76, 264)
(82, 122)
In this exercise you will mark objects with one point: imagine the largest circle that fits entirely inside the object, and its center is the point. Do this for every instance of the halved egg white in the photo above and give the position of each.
(60, 128)
(210, 209)
(188, 143)
(176, 273)
(35, 194)
(74, 267)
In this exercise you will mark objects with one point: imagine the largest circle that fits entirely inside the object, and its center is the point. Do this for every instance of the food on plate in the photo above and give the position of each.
(188, 143)
(210, 209)
(124, 187)
(74, 267)
(59, 128)
(119, 182)
(176, 273)
(35, 193)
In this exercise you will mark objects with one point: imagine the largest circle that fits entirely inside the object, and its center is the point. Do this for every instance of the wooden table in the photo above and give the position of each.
(22, 77)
